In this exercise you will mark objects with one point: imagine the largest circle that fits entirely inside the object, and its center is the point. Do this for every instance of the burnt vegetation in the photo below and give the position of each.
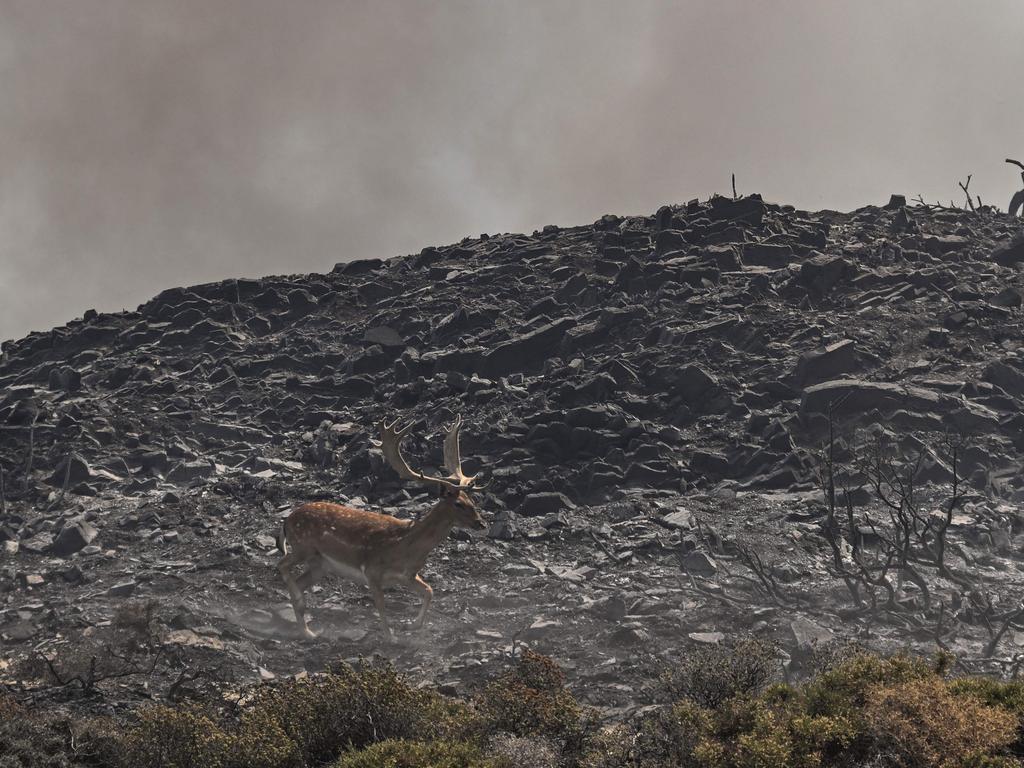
(721, 440)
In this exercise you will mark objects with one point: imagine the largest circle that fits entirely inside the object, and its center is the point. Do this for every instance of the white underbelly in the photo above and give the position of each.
(358, 575)
(345, 570)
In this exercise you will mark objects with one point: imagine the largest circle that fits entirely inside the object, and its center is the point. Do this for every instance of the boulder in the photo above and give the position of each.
(821, 273)
(526, 350)
(1010, 253)
(543, 504)
(73, 536)
(826, 364)
(73, 470)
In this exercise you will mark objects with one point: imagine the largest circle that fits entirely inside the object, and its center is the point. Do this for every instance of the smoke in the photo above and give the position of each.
(151, 144)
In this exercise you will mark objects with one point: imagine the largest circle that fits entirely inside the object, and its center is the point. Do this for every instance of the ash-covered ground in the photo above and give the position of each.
(651, 396)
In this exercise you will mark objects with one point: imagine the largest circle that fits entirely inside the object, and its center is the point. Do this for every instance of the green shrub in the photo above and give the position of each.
(1008, 696)
(531, 700)
(995, 693)
(295, 723)
(843, 689)
(710, 676)
(166, 737)
(925, 724)
(773, 729)
(418, 754)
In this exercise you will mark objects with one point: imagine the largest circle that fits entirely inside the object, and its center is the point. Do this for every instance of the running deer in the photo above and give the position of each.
(377, 549)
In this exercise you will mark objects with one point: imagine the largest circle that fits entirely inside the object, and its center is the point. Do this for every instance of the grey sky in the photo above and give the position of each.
(152, 143)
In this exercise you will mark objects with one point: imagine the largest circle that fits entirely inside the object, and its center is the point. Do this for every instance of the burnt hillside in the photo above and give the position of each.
(643, 390)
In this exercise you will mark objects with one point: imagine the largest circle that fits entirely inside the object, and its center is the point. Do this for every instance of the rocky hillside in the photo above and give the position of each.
(645, 391)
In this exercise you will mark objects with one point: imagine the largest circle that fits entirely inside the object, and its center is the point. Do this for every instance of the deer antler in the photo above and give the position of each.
(390, 438)
(453, 459)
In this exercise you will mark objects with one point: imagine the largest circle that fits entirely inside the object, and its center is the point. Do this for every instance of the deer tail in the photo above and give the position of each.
(282, 539)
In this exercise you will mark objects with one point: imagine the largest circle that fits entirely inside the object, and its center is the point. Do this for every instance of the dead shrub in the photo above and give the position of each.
(418, 754)
(521, 751)
(710, 676)
(32, 740)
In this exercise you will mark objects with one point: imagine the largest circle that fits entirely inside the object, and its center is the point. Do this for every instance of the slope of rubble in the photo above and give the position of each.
(648, 393)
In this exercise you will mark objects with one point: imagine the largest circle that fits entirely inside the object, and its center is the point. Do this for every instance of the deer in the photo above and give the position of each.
(378, 549)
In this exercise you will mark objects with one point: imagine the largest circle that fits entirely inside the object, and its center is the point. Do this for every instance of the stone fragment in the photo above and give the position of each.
(38, 544)
(73, 536)
(122, 589)
(682, 519)
(828, 363)
(383, 335)
(526, 350)
(707, 638)
(74, 469)
(699, 564)
(807, 634)
(1010, 253)
(542, 504)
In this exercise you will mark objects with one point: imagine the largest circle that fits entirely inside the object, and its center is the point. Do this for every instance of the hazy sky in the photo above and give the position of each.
(151, 143)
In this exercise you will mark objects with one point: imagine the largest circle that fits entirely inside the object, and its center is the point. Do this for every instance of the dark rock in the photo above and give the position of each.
(358, 267)
(699, 564)
(73, 536)
(749, 210)
(828, 363)
(385, 336)
(853, 397)
(186, 471)
(1008, 297)
(668, 240)
(1006, 377)
(72, 470)
(526, 350)
(1010, 253)
(122, 589)
(693, 382)
(941, 245)
(542, 504)
(937, 337)
(820, 274)
(37, 544)
(774, 255)
(65, 379)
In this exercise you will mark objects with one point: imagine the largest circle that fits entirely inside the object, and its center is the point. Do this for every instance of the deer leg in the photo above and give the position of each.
(284, 567)
(428, 595)
(315, 571)
(378, 600)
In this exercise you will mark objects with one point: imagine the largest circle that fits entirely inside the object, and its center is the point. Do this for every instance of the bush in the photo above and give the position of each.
(843, 689)
(32, 741)
(994, 693)
(865, 711)
(295, 723)
(418, 754)
(522, 751)
(711, 676)
(175, 738)
(530, 700)
(925, 724)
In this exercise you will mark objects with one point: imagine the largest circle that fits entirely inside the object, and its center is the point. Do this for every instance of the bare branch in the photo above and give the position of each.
(964, 187)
